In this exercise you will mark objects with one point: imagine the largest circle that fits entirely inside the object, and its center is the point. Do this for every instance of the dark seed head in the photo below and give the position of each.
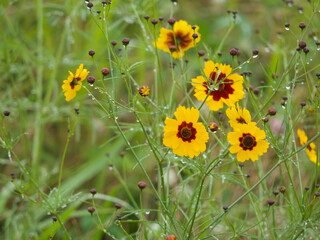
(91, 79)
(270, 202)
(255, 52)
(119, 217)
(225, 208)
(93, 191)
(275, 192)
(283, 102)
(161, 19)
(302, 25)
(219, 54)
(272, 111)
(154, 21)
(306, 50)
(285, 98)
(265, 119)
(303, 104)
(201, 53)
(91, 52)
(89, 4)
(142, 185)
(54, 219)
(195, 35)
(306, 188)
(317, 43)
(171, 21)
(233, 52)
(105, 71)
(317, 194)
(76, 110)
(241, 164)
(287, 25)
(282, 189)
(117, 205)
(256, 91)
(317, 185)
(91, 209)
(98, 11)
(6, 113)
(302, 44)
(146, 17)
(125, 41)
(194, 27)
(114, 42)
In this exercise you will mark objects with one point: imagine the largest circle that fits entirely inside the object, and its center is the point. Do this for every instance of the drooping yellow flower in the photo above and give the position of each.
(238, 115)
(144, 91)
(185, 135)
(73, 83)
(248, 142)
(220, 84)
(310, 149)
(177, 41)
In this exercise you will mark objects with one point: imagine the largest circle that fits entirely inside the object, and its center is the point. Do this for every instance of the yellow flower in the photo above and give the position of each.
(220, 84)
(310, 149)
(185, 135)
(177, 41)
(144, 91)
(238, 116)
(247, 141)
(73, 83)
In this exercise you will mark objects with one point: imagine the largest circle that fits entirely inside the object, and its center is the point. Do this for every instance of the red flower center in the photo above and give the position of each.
(74, 82)
(223, 90)
(182, 40)
(309, 148)
(186, 131)
(241, 120)
(247, 141)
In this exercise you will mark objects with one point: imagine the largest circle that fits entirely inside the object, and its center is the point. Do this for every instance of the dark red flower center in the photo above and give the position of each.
(241, 120)
(309, 148)
(182, 40)
(223, 89)
(186, 131)
(247, 141)
(74, 82)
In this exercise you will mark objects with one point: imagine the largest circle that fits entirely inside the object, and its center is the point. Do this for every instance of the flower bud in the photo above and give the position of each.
(270, 202)
(105, 71)
(91, 79)
(91, 53)
(142, 185)
(91, 209)
(125, 41)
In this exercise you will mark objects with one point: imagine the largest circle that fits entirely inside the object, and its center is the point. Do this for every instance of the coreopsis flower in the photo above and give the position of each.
(185, 135)
(219, 87)
(238, 115)
(144, 91)
(178, 40)
(248, 142)
(310, 149)
(73, 83)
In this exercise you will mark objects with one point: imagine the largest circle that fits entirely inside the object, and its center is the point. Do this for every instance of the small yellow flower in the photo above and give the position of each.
(247, 141)
(180, 38)
(238, 115)
(310, 149)
(144, 91)
(220, 84)
(185, 135)
(73, 83)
